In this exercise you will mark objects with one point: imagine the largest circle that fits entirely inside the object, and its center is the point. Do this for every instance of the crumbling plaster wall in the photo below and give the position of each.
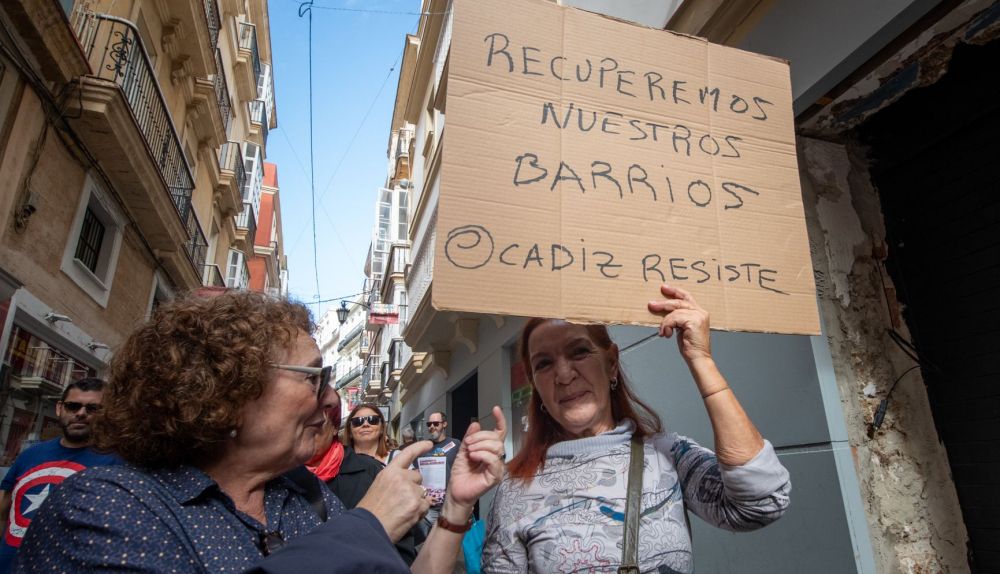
(914, 518)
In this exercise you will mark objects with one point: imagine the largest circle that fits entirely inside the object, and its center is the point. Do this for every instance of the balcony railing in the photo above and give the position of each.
(248, 41)
(348, 377)
(231, 159)
(222, 88)
(248, 221)
(213, 20)
(196, 246)
(116, 54)
(213, 276)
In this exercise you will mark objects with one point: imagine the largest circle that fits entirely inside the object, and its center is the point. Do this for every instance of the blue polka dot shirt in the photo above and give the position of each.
(176, 520)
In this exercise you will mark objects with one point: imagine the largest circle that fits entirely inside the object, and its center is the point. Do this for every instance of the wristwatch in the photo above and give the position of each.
(456, 528)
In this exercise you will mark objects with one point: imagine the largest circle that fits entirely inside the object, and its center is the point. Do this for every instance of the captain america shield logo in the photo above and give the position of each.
(32, 488)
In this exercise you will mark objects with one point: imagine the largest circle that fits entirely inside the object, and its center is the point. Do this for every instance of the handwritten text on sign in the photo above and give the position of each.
(580, 169)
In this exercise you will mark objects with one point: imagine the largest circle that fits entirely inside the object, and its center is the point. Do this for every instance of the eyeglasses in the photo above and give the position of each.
(432, 424)
(373, 420)
(270, 542)
(318, 376)
(74, 407)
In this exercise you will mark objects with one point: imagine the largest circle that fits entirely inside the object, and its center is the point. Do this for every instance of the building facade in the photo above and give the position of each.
(887, 192)
(268, 266)
(132, 139)
(342, 345)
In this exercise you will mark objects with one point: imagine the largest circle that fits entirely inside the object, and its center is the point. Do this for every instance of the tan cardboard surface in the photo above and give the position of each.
(586, 160)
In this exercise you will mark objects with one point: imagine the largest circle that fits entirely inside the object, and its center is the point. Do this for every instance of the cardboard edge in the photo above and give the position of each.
(675, 33)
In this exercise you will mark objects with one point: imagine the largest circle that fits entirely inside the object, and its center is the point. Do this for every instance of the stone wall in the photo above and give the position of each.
(914, 517)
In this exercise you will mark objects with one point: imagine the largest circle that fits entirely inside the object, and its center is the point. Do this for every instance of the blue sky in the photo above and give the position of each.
(352, 54)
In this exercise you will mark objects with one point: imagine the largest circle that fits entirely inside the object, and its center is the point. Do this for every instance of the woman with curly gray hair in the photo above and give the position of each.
(211, 403)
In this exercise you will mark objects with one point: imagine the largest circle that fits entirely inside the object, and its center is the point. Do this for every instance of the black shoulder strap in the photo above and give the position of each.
(308, 481)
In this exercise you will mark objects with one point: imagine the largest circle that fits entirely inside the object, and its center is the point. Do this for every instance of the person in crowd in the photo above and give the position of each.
(393, 444)
(365, 432)
(407, 436)
(210, 403)
(328, 453)
(40, 469)
(561, 505)
(444, 447)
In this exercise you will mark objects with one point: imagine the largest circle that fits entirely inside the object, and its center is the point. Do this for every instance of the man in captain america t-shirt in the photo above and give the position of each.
(42, 467)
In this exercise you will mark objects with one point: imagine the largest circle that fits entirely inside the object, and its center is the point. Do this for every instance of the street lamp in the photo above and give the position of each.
(343, 311)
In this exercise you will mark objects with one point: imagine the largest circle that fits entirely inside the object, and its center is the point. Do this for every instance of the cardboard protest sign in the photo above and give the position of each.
(587, 160)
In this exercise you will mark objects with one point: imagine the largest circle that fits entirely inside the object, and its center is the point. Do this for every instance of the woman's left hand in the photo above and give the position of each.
(479, 465)
(681, 312)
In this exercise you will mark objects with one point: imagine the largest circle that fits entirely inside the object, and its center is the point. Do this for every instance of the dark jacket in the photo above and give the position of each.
(357, 472)
(346, 544)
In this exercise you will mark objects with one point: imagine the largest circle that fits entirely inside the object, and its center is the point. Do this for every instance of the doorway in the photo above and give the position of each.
(935, 167)
(464, 406)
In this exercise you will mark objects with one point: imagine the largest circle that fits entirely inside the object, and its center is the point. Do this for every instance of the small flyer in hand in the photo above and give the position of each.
(434, 470)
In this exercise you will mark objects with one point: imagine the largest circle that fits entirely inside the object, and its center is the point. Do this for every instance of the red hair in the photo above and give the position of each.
(544, 431)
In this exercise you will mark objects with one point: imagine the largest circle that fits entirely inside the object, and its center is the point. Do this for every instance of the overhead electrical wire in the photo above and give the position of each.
(306, 7)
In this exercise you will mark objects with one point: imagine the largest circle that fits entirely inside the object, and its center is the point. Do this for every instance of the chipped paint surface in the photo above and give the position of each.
(912, 509)
(828, 168)
(919, 63)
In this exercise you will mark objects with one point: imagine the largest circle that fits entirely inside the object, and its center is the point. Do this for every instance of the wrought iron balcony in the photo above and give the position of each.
(248, 41)
(116, 54)
(247, 221)
(214, 22)
(222, 91)
(196, 246)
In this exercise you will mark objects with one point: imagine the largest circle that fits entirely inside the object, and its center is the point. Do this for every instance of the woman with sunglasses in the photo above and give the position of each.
(365, 453)
(211, 404)
(366, 432)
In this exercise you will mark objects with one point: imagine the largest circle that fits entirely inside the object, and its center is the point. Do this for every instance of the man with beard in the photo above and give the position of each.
(44, 466)
(441, 456)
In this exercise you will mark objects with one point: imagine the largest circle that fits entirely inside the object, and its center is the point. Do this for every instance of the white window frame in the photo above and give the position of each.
(161, 287)
(96, 284)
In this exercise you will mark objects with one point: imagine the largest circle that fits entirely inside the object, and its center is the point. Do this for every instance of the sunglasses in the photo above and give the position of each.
(432, 424)
(373, 420)
(319, 377)
(74, 407)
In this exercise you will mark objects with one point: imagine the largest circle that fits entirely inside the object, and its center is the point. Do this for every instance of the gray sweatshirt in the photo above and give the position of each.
(569, 518)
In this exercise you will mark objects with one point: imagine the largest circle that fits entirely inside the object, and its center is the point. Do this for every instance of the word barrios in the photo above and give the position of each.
(530, 170)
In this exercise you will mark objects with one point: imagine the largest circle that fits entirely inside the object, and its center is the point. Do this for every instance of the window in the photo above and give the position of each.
(402, 232)
(237, 274)
(88, 248)
(91, 254)
(161, 293)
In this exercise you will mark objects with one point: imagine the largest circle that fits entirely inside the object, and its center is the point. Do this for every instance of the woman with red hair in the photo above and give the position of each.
(561, 507)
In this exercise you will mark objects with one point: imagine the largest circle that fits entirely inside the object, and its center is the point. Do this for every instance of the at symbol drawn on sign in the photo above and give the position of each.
(473, 235)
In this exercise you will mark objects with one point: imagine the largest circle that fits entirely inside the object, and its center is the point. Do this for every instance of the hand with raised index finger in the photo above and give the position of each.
(682, 313)
(479, 465)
